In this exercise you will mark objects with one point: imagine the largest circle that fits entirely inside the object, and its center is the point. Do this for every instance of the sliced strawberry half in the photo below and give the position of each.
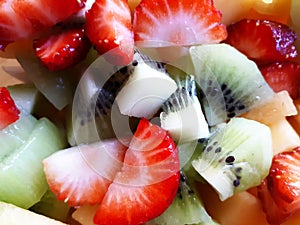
(263, 41)
(62, 50)
(9, 112)
(22, 19)
(280, 192)
(81, 175)
(180, 22)
(147, 182)
(283, 76)
(108, 26)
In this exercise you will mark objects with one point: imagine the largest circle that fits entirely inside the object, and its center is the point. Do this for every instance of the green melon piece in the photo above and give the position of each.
(22, 178)
(16, 134)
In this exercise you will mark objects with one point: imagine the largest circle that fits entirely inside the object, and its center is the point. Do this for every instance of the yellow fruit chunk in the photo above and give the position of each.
(273, 7)
(132, 4)
(13, 215)
(273, 114)
(242, 208)
(276, 109)
(85, 214)
(284, 137)
(295, 120)
(275, 10)
(233, 10)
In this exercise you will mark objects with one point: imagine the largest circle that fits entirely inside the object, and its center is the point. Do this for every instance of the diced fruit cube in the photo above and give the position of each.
(280, 106)
(24, 95)
(85, 214)
(284, 137)
(13, 215)
(232, 10)
(242, 208)
(22, 178)
(15, 135)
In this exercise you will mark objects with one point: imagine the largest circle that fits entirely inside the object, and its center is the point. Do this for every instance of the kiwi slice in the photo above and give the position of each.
(186, 208)
(22, 177)
(182, 115)
(147, 88)
(238, 156)
(95, 113)
(230, 83)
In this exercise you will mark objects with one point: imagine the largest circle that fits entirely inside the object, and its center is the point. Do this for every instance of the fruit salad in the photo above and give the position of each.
(150, 112)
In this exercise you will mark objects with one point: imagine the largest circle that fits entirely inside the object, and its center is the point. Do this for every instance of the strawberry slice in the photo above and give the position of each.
(82, 174)
(283, 76)
(181, 22)
(9, 112)
(263, 41)
(282, 187)
(22, 19)
(147, 182)
(108, 26)
(62, 50)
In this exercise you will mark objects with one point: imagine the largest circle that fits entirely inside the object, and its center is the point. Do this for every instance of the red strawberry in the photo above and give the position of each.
(263, 41)
(147, 182)
(22, 19)
(108, 26)
(81, 175)
(180, 22)
(62, 50)
(280, 192)
(9, 112)
(283, 76)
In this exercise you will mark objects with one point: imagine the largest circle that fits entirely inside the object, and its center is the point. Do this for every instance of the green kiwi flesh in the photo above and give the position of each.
(230, 83)
(182, 115)
(186, 208)
(237, 157)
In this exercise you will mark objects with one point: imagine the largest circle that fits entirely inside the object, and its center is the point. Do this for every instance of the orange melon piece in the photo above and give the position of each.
(242, 208)
(273, 114)
(233, 10)
(280, 106)
(284, 137)
(132, 4)
(295, 120)
(293, 220)
(275, 10)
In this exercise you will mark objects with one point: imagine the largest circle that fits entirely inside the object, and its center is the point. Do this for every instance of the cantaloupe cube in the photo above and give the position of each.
(274, 110)
(242, 208)
(284, 137)
(274, 114)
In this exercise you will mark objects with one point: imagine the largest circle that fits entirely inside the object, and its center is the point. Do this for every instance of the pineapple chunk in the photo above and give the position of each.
(13, 215)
